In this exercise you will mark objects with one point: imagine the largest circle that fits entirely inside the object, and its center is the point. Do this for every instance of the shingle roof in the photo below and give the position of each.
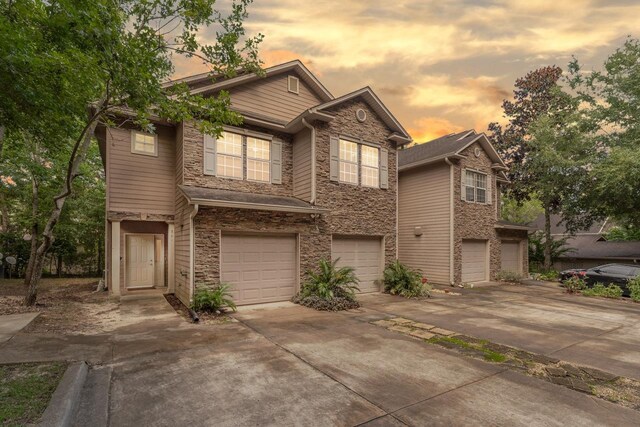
(591, 247)
(237, 199)
(440, 147)
(558, 227)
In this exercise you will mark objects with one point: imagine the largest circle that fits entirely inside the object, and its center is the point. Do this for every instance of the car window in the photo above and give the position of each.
(620, 270)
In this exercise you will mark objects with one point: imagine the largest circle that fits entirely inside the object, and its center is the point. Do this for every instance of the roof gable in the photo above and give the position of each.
(204, 83)
(398, 133)
(447, 146)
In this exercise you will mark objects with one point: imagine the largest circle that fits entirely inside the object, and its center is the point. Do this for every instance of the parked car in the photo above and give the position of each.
(618, 274)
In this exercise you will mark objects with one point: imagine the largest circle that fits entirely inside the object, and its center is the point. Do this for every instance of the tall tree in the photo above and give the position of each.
(542, 120)
(611, 100)
(65, 55)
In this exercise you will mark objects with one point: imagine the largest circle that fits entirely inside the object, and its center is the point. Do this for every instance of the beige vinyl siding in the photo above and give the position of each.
(270, 98)
(140, 183)
(424, 201)
(302, 165)
(181, 230)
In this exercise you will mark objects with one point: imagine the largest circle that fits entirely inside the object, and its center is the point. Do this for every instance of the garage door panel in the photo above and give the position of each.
(260, 268)
(510, 256)
(365, 255)
(474, 260)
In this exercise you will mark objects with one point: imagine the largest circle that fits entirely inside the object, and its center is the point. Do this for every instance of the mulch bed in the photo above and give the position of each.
(205, 318)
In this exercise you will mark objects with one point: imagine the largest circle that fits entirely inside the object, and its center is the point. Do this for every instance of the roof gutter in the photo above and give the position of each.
(313, 160)
(446, 157)
(257, 206)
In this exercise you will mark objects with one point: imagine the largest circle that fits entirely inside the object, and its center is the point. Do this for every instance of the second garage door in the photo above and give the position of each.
(474, 260)
(365, 255)
(510, 254)
(259, 268)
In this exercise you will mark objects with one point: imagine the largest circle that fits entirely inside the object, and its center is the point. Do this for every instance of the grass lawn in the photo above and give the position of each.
(25, 391)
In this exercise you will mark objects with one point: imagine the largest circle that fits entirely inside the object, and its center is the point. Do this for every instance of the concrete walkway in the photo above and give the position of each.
(11, 324)
(290, 365)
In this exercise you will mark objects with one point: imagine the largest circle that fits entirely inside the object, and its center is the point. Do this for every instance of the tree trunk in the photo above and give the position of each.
(4, 214)
(59, 266)
(547, 239)
(78, 156)
(34, 230)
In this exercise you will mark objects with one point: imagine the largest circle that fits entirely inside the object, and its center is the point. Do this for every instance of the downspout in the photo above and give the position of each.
(192, 261)
(313, 160)
(451, 219)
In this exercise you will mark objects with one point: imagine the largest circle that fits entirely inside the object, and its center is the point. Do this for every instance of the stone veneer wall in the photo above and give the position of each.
(315, 243)
(354, 210)
(474, 220)
(193, 166)
(357, 210)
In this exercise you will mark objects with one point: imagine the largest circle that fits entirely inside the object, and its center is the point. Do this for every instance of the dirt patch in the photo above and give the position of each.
(66, 306)
(205, 318)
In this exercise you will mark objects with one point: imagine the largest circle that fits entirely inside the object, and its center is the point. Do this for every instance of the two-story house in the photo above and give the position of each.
(307, 176)
(449, 211)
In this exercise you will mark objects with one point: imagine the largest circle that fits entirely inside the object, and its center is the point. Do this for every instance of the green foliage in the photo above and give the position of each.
(549, 275)
(25, 391)
(536, 249)
(520, 212)
(612, 113)
(634, 288)
(509, 276)
(400, 279)
(600, 290)
(482, 346)
(213, 298)
(625, 232)
(329, 282)
(574, 284)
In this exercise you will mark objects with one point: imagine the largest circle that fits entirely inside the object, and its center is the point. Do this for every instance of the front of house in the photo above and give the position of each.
(307, 176)
(449, 212)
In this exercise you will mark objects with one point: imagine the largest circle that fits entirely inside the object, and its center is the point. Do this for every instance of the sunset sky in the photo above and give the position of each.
(440, 66)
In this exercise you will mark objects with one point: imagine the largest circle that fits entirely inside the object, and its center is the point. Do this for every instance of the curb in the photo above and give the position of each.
(64, 403)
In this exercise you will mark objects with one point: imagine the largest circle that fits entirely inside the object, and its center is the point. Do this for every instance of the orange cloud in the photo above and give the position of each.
(428, 128)
(279, 56)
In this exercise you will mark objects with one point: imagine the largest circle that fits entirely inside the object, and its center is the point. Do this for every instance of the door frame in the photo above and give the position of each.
(125, 255)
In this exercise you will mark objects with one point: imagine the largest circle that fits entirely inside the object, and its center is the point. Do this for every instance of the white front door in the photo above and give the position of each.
(140, 261)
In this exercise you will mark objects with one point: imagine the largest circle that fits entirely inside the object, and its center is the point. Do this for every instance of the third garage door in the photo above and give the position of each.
(365, 255)
(259, 268)
(474, 260)
(510, 256)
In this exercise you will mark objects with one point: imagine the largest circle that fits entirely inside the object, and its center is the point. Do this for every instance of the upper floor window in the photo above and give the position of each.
(229, 155)
(144, 143)
(370, 171)
(475, 187)
(258, 160)
(238, 156)
(348, 162)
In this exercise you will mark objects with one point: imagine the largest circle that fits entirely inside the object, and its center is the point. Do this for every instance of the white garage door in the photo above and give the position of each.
(474, 260)
(259, 268)
(365, 255)
(510, 255)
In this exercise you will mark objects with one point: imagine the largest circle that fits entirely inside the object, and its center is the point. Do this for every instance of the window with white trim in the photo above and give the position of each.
(475, 187)
(370, 166)
(348, 162)
(229, 155)
(258, 160)
(144, 143)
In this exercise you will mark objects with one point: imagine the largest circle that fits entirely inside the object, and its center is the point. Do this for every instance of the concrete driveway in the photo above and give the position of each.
(295, 366)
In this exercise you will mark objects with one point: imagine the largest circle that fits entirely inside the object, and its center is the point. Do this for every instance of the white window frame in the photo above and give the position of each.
(255, 159)
(290, 80)
(241, 157)
(363, 166)
(475, 186)
(134, 134)
(350, 162)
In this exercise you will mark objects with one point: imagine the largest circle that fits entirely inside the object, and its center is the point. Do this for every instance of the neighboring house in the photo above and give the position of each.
(307, 176)
(589, 248)
(449, 210)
